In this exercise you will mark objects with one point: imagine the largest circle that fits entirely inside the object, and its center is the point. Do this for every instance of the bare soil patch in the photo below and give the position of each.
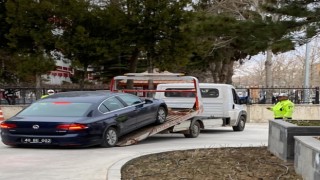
(305, 122)
(241, 163)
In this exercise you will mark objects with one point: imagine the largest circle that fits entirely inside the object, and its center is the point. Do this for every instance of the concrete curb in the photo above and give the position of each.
(114, 171)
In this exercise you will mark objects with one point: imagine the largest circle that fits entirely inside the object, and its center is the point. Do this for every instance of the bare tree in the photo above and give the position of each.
(287, 69)
(222, 70)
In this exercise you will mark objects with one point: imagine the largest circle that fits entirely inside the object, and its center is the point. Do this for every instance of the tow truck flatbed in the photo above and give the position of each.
(174, 117)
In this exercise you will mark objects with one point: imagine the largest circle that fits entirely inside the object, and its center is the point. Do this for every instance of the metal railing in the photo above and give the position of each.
(269, 95)
(28, 95)
(12, 95)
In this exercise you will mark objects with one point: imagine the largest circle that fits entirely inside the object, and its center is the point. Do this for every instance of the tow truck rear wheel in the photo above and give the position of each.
(110, 137)
(194, 130)
(241, 124)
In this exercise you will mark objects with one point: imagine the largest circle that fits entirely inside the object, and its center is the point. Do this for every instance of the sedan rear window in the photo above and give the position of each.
(56, 109)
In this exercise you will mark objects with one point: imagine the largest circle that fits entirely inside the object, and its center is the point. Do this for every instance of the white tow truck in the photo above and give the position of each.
(222, 106)
(179, 119)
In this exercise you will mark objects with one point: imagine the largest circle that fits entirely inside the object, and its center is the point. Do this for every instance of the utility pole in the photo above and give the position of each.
(306, 74)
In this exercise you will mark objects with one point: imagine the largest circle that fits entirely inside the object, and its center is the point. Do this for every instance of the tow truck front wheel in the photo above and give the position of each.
(194, 130)
(241, 124)
(110, 137)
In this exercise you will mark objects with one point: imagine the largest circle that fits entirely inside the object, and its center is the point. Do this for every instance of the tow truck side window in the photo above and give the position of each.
(179, 94)
(205, 92)
(209, 92)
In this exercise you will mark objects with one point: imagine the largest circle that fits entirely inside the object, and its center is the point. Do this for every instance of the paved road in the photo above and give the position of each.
(93, 163)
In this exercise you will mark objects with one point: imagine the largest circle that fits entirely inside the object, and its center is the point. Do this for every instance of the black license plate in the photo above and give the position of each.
(36, 140)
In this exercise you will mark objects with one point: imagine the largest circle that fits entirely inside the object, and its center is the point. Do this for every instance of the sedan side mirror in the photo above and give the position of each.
(148, 101)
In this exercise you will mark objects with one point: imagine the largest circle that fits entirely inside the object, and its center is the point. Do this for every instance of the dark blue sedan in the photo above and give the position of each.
(81, 118)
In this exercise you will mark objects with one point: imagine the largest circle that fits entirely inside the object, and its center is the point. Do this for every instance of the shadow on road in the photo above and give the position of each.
(216, 131)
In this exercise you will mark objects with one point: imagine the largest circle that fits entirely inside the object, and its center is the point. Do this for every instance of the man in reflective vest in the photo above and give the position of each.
(284, 107)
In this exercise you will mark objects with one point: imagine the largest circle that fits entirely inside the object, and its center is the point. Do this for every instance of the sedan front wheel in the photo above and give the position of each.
(110, 137)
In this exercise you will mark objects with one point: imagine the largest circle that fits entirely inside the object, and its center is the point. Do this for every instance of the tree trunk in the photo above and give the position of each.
(218, 71)
(212, 69)
(223, 73)
(269, 84)
(150, 70)
(83, 77)
(38, 86)
(230, 72)
(133, 66)
(215, 69)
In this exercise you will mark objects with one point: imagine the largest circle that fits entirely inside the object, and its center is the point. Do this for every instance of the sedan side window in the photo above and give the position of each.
(103, 108)
(130, 99)
(111, 104)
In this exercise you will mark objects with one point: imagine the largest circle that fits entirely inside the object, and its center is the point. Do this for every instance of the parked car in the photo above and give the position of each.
(81, 118)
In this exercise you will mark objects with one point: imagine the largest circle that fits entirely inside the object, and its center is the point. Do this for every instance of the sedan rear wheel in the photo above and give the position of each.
(110, 137)
(161, 115)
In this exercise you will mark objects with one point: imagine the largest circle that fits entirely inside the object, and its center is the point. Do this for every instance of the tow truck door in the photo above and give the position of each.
(236, 107)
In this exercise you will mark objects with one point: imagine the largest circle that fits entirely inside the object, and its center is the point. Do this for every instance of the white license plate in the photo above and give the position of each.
(36, 140)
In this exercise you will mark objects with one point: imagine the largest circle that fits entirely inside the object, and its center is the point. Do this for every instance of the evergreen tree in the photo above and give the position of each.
(155, 30)
(7, 67)
(31, 37)
(225, 34)
(87, 33)
(301, 17)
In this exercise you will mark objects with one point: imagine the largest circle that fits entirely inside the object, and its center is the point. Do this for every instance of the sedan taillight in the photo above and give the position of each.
(5, 125)
(72, 127)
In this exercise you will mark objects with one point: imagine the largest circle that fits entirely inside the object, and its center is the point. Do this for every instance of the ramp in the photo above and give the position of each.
(173, 118)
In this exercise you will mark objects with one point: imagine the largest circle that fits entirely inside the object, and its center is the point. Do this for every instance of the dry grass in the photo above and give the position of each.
(245, 163)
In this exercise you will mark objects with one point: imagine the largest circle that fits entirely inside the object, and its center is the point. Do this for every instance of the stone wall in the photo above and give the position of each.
(11, 110)
(307, 157)
(281, 137)
(258, 112)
